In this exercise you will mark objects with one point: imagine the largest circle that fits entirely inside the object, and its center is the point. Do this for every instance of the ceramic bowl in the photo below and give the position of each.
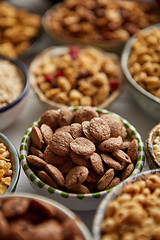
(102, 208)
(9, 113)
(147, 101)
(80, 202)
(61, 209)
(15, 161)
(152, 158)
(60, 50)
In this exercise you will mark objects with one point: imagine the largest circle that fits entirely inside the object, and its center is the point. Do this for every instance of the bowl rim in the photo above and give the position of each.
(82, 226)
(40, 184)
(20, 65)
(100, 212)
(12, 149)
(124, 63)
(57, 51)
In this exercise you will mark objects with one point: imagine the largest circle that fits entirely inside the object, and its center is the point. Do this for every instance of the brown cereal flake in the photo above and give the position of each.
(50, 118)
(121, 155)
(110, 144)
(65, 116)
(80, 160)
(97, 163)
(85, 114)
(36, 137)
(55, 173)
(46, 133)
(111, 162)
(53, 158)
(76, 130)
(82, 146)
(106, 179)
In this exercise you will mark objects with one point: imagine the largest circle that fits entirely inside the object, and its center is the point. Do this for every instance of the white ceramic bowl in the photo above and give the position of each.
(80, 202)
(147, 101)
(102, 208)
(9, 113)
(84, 230)
(15, 161)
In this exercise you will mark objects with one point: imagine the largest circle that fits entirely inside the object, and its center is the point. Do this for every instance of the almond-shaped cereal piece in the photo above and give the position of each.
(85, 114)
(65, 116)
(80, 160)
(123, 133)
(3, 226)
(121, 155)
(82, 146)
(37, 152)
(110, 144)
(92, 176)
(53, 158)
(132, 150)
(106, 179)
(47, 179)
(127, 171)
(113, 183)
(97, 163)
(20, 229)
(86, 131)
(43, 208)
(112, 163)
(99, 129)
(50, 118)
(66, 166)
(71, 230)
(55, 174)
(36, 137)
(46, 133)
(60, 143)
(75, 176)
(15, 207)
(76, 130)
(125, 144)
(79, 189)
(64, 129)
(36, 161)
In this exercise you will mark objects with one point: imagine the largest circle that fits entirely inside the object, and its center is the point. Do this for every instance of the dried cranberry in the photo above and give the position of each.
(114, 84)
(59, 73)
(74, 52)
(48, 78)
(84, 75)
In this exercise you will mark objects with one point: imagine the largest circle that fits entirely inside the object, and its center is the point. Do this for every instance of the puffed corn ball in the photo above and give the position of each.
(156, 145)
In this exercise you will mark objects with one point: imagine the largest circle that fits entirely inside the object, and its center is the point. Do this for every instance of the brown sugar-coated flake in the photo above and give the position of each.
(125, 144)
(37, 152)
(66, 128)
(82, 146)
(66, 166)
(106, 179)
(121, 155)
(53, 158)
(80, 160)
(97, 163)
(86, 131)
(113, 183)
(110, 144)
(76, 130)
(85, 114)
(79, 189)
(36, 161)
(36, 137)
(99, 129)
(65, 116)
(111, 162)
(132, 150)
(93, 177)
(47, 179)
(127, 171)
(50, 118)
(46, 133)
(55, 173)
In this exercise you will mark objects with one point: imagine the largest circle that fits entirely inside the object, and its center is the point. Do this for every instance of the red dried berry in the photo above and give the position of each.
(114, 84)
(48, 78)
(74, 52)
(59, 73)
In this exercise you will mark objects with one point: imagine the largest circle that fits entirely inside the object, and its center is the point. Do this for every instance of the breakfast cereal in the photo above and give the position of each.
(156, 145)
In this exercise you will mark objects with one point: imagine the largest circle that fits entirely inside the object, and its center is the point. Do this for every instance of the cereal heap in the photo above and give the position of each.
(135, 214)
(80, 76)
(101, 19)
(82, 151)
(5, 169)
(156, 145)
(144, 61)
(25, 218)
(11, 82)
(18, 30)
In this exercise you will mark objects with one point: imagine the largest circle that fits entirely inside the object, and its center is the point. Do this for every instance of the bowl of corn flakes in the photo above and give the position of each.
(9, 165)
(76, 75)
(140, 64)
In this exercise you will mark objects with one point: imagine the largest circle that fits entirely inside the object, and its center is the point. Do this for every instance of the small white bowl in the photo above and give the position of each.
(9, 113)
(79, 202)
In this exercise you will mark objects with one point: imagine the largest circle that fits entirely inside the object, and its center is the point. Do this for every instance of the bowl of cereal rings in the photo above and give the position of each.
(131, 210)
(9, 165)
(65, 76)
(76, 155)
(36, 217)
(140, 64)
(153, 147)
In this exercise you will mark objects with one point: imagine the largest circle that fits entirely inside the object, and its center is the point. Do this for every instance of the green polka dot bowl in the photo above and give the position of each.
(79, 202)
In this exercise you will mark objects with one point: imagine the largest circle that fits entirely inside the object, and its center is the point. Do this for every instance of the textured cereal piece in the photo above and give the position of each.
(79, 189)
(75, 176)
(86, 131)
(15, 207)
(53, 158)
(66, 166)
(47, 179)
(36, 137)
(92, 176)
(123, 133)
(113, 183)
(60, 143)
(125, 144)
(106, 179)
(110, 144)
(36, 161)
(80, 160)
(71, 230)
(55, 173)
(82, 146)
(127, 171)
(99, 129)
(46, 133)
(132, 150)
(44, 208)
(3, 226)
(112, 163)
(97, 163)
(50, 118)
(114, 123)
(121, 155)
(64, 129)
(37, 152)
(65, 116)
(76, 130)
(85, 114)
(20, 229)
